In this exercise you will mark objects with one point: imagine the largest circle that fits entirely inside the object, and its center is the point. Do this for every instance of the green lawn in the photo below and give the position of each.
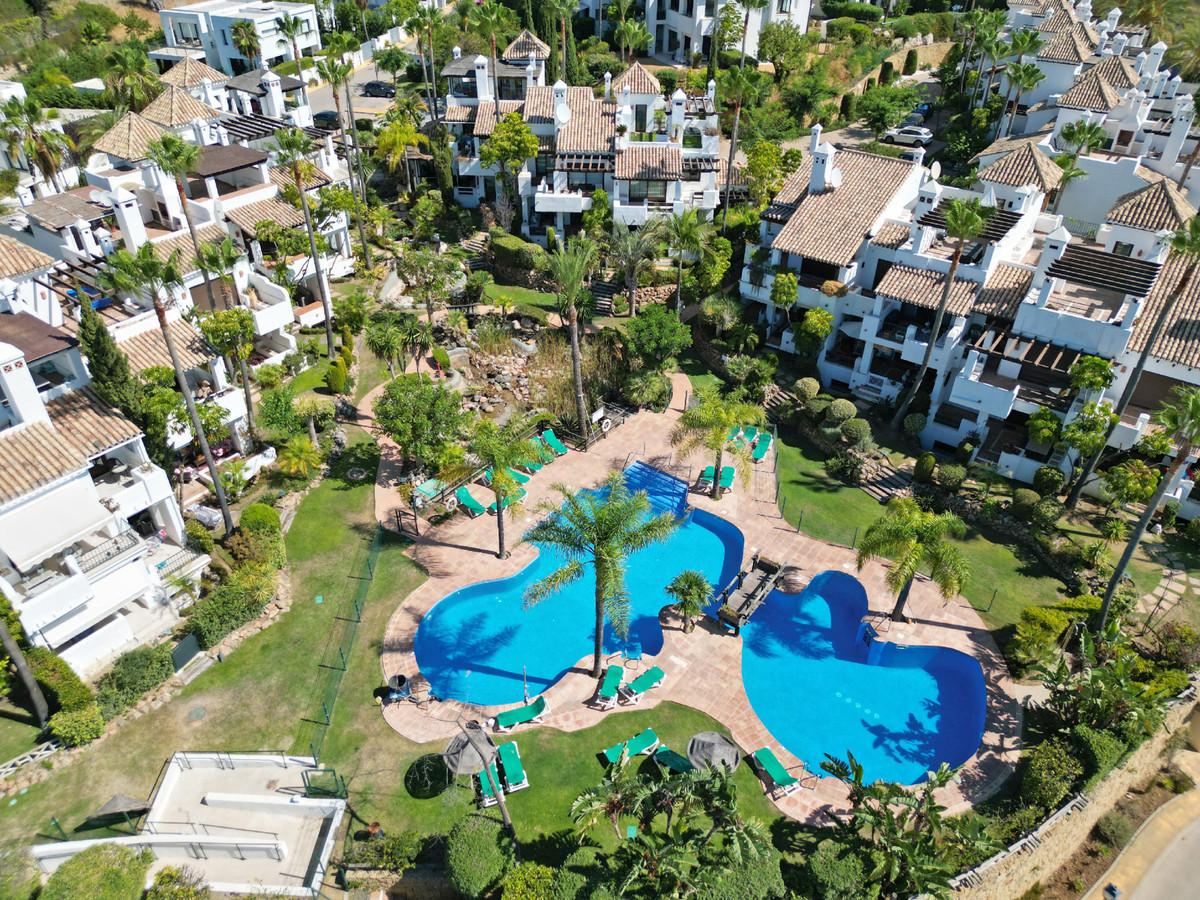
(520, 297)
(18, 730)
(698, 373)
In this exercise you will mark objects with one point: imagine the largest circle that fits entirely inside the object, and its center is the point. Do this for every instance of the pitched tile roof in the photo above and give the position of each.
(1117, 71)
(275, 210)
(88, 424)
(1024, 166)
(658, 162)
(149, 349)
(1180, 338)
(485, 115)
(539, 103)
(18, 258)
(526, 45)
(1066, 47)
(923, 288)
(1012, 142)
(1157, 207)
(890, 235)
(190, 72)
(592, 129)
(638, 79)
(129, 138)
(1003, 292)
(830, 226)
(281, 177)
(1092, 92)
(1059, 21)
(33, 456)
(210, 233)
(175, 107)
(457, 113)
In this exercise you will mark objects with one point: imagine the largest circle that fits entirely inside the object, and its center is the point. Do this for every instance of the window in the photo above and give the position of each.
(543, 165)
(785, 7)
(1120, 248)
(224, 37)
(654, 191)
(674, 5)
(661, 11)
(691, 8)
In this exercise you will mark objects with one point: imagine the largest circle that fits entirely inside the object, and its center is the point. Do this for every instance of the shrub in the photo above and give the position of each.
(529, 881)
(816, 408)
(863, 12)
(260, 519)
(648, 389)
(835, 872)
(950, 476)
(257, 547)
(1023, 503)
(394, 852)
(578, 872)
(1114, 528)
(1115, 829)
(171, 883)
(805, 389)
(269, 376)
(277, 411)
(1178, 645)
(839, 411)
(336, 376)
(914, 424)
(1168, 514)
(1169, 683)
(101, 872)
(76, 727)
(441, 356)
(924, 466)
(910, 61)
(751, 879)
(1193, 531)
(845, 467)
(1048, 481)
(478, 854)
(512, 252)
(477, 283)
(963, 451)
(1038, 631)
(1050, 773)
(199, 538)
(856, 432)
(64, 689)
(233, 603)
(1098, 750)
(848, 109)
(132, 675)
(1046, 514)
(887, 72)
(346, 355)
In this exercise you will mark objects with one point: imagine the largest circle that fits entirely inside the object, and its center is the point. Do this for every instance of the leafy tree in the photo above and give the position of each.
(231, 333)
(502, 448)
(1133, 481)
(597, 222)
(657, 335)
(422, 417)
(428, 275)
(784, 291)
(385, 340)
(914, 539)
(691, 590)
(815, 327)
(784, 46)
(508, 148)
(392, 60)
(350, 310)
(767, 165)
(706, 426)
(600, 530)
(1091, 373)
(885, 106)
(129, 77)
(425, 215)
(171, 883)
(1044, 426)
(1086, 433)
(311, 409)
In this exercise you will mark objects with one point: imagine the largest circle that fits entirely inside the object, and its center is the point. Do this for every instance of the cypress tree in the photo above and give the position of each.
(111, 377)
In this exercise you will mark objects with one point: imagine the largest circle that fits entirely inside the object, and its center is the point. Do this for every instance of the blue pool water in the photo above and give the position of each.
(820, 688)
(473, 643)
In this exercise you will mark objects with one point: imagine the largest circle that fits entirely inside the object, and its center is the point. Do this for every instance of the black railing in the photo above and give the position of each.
(110, 549)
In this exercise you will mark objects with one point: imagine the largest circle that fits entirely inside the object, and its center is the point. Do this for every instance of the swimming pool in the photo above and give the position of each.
(473, 643)
(819, 687)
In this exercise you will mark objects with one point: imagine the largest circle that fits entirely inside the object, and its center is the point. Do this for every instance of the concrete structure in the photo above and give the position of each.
(207, 27)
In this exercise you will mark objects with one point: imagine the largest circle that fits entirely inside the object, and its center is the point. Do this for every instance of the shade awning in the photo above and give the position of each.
(710, 749)
(49, 522)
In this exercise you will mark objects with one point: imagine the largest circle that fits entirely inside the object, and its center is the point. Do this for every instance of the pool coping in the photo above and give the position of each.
(454, 553)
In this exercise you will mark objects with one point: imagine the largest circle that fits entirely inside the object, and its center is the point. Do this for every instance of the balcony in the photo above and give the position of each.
(128, 491)
(548, 200)
(270, 304)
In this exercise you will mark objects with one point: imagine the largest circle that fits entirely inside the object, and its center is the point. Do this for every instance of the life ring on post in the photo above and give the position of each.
(606, 425)
(451, 503)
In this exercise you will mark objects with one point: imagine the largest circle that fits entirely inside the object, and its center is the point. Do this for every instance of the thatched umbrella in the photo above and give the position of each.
(464, 756)
(708, 749)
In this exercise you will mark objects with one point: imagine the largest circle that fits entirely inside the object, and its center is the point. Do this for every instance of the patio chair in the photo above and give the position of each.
(514, 771)
(544, 454)
(750, 433)
(430, 488)
(531, 466)
(487, 797)
(645, 742)
(781, 782)
(511, 718)
(734, 433)
(762, 447)
(727, 475)
(606, 693)
(473, 507)
(704, 482)
(634, 691)
(669, 760)
(515, 497)
(552, 441)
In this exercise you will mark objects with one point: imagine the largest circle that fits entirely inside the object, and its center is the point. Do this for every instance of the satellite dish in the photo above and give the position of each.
(562, 113)
(101, 198)
(935, 170)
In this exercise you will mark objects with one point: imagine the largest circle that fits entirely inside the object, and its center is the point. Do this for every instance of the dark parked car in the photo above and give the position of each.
(327, 119)
(378, 89)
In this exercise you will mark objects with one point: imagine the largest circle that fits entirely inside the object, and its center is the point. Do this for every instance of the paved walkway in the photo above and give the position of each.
(461, 551)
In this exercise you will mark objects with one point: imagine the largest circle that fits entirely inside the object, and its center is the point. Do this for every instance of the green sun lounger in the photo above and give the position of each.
(473, 507)
(533, 465)
(606, 694)
(514, 772)
(707, 475)
(734, 434)
(487, 797)
(430, 488)
(749, 432)
(762, 447)
(727, 474)
(651, 678)
(510, 719)
(553, 442)
(516, 497)
(782, 780)
(544, 454)
(669, 759)
(639, 743)
(518, 477)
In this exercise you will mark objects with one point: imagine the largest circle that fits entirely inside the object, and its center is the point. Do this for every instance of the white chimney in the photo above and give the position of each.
(1052, 250)
(273, 100)
(531, 74)
(456, 52)
(129, 219)
(712, 90)
(483, 84)
(608, 85)
(1114, 16)
(17, 383)
(1083, 9)
(678, 101)
(562, 110)
(1156, 56)
(1120, 42)
(825, 176)
(1173, 87)
(816, 138)
(1181, 124)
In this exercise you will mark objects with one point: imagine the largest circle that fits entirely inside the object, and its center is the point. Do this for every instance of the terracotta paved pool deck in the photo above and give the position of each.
(703, 669)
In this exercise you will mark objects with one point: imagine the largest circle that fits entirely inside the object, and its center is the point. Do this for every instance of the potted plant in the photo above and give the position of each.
(691, 591)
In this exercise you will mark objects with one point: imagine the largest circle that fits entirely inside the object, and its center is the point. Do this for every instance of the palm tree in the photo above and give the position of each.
(600, 529)
(988, 44)
(1179, 417)
(612, 798)
(1070, 172)
(632, 35)
(299, 457)
(310, 407)
(176, 157)
(130, 78)
(391, 146)
(492, 21)
(687, 234)
(244, 34)
(342, 44)
(570, 267)
(1185, 243)
(25, 127)
(912, 538)
(502, 448)
(291, 27)
(632, 251)
(1023, 77)
(1083, 137)
(13, 650)
(339, 75)
(292, 149)
(362, 17)
(219, 260)
(707, 426)
(691, 591)
(422, 24)
(746, 5)
(419, 338)
(143, 271)
(563, 11)
(965, 220)
(971, 25)
(738, 87)
(741, 838)
(386, 341)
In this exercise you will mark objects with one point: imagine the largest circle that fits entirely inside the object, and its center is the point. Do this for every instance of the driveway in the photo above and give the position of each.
(321, 98)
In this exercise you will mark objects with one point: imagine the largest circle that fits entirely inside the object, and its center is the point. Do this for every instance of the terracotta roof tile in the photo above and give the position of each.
(129, 138)
(891, 235)
(274, 210)
(281, 177)
(923, 288)
(33, 456)
(1027, 165)
(18, 258)
(592, 129)
(1117, 71)
(657, 162)
(175, 107)
(1157, 207)
(1180, 338)
(88, 424)
(211, 233)
(485, 116)
(1003, 292)
(149, 349)
(191, 72)
(526, 45)
(1012, 142)
(539, 103)
(1090, 91)
(1065, 48)
(638, 79)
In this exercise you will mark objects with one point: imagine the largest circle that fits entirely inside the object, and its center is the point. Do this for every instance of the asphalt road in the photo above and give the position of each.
(321, 98)
(1177, 866)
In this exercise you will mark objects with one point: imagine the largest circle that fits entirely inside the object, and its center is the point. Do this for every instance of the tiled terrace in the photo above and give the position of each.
(703, 668)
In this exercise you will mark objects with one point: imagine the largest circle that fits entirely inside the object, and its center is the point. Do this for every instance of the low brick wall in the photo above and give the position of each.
(1016, 874)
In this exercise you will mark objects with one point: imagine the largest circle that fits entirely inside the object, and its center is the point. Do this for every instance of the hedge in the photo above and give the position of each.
(529, 881)
(478, 855)
(233, 603)
(76, 727)
(910, 62)
(132, 675)
(856, 432)
(840, 410)
(260, 518)
(512, 252)
(101, 872)
(1050, 773)
(1023, 503)
(199, 538)
(752, 879)
(862, 12)
(924, 466)
(58, 681)
(805, 389)
(1098, 750)
(579, 872)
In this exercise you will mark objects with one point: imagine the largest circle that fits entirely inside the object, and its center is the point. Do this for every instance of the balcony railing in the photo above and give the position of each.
(110, 549)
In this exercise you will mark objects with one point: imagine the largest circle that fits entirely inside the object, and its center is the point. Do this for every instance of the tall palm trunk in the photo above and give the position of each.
(598, 644)
(160, 310)
(901, 601)
(362, 181)
(322, 289)
(965, 63)
(1004, 111)
(563, 29)
(679, 284)
(737, 119)
(244, 372)
(1012, 118)
(715, 490)
(191, 227)
(577, 372)
(1126, 395)
(911, 392)
(745, 32)
(433, 78)
(1143, 523)
(502, 552)
(40, 710)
